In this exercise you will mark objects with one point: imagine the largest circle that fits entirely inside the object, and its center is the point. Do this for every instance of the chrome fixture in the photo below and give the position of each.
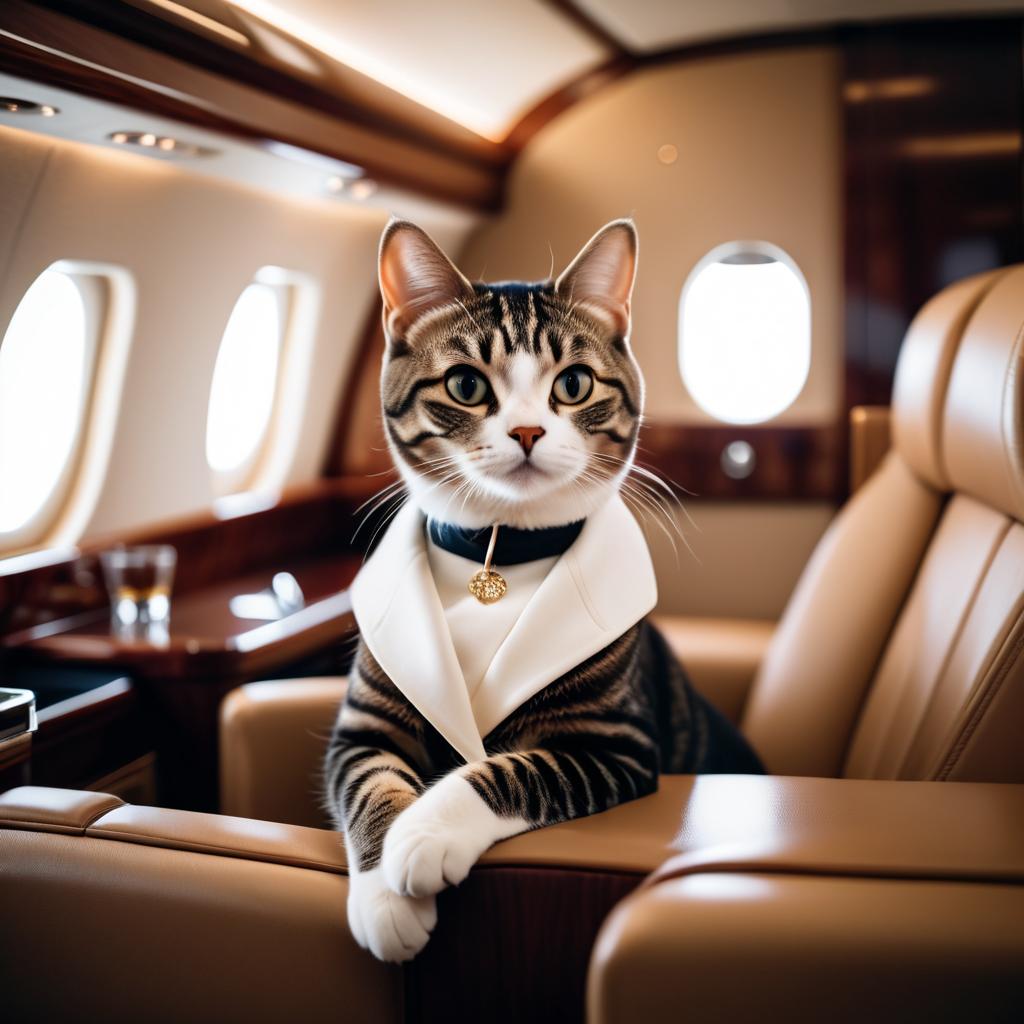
(13, 105)
(160, 144)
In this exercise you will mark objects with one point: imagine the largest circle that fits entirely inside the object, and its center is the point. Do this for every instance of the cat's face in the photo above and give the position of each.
(511, 403)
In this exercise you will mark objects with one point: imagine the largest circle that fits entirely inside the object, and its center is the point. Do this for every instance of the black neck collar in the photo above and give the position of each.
(514, 546)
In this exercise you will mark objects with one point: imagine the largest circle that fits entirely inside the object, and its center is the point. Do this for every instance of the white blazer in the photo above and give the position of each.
(601, 586)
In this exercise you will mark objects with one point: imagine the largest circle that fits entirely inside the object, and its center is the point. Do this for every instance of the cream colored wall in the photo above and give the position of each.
(734, 559)
(192, 243)
(759, 142)
(759, 158)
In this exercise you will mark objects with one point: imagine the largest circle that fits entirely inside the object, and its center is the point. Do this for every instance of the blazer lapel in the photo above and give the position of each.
(598, 589)
(402, 622)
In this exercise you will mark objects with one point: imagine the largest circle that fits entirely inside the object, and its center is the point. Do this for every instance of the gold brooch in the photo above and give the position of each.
(488, 586)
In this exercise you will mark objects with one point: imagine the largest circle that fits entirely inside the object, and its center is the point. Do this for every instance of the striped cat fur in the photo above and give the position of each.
(415, 815)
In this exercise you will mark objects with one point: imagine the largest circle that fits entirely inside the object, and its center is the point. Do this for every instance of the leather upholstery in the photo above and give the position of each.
(129, 913)
(272, 740)
(793, 886)
(812, 683)
(983, 421)
(923, 371)
(787, 948)
(932, 830)
(867, 676)
(55, 810)
(936, 671)
(721, 656)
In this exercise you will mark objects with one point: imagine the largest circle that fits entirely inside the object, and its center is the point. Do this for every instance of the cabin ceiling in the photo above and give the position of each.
(481, 65)
(485, 66)
(646, 26)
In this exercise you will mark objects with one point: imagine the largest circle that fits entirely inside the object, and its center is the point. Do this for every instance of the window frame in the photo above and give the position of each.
(264, 470)
(107, 294)
(718, 254)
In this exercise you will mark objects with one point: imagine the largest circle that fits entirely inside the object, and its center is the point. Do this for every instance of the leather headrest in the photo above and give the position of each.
(983, 420)
(923, 371)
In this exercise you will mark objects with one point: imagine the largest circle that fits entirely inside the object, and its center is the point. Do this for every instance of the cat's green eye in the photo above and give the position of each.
(573, 386)
(466, 385)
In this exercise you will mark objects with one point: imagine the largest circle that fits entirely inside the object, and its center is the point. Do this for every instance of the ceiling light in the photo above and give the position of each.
(668, 154)
(966, 145)
(906, 87)
(163, 144)
(12, 105)
(363, 188)
(335, 183)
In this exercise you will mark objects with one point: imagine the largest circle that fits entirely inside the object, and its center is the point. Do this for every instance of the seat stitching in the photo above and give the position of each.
(990, 693)
(954, 640)
(214, 849)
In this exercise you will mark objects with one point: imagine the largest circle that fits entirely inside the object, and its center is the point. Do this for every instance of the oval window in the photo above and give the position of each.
(745, 332)
(245, 379)
(44, 359)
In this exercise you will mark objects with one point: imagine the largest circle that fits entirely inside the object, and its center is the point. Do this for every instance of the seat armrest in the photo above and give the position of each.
(119, 913)
(721, 656)
(273, 736)
(844, 899)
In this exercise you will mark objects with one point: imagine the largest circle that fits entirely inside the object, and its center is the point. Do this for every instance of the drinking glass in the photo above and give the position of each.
(139, 584)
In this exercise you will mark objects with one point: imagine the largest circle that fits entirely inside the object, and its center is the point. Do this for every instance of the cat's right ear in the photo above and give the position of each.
(415, 278)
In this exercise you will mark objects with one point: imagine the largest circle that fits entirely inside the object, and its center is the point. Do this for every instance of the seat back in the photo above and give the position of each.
(900, 653)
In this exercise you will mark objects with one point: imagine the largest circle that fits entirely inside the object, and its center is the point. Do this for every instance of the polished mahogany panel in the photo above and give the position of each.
(512, 945)
(933, 175)
(206, 636)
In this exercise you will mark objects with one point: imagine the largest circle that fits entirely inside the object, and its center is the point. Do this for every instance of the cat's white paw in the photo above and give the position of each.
(392, 927)
(435, 841)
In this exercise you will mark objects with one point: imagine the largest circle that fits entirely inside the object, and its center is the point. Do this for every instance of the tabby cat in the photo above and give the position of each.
(465, 723)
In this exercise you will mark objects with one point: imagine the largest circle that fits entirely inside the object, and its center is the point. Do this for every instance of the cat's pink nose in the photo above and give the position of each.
(527, 436)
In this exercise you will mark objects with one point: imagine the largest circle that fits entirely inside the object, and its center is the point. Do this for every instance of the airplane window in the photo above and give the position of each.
(45, 360)
(245, 379)
(745, 332)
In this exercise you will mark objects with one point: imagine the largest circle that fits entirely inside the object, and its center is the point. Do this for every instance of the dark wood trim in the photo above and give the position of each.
(915, 225)
(529, 932)
(624, 62)
(558, 102)
(334, 89)
(363, 369)
(588, 24)
(792, 463)
(88, 736)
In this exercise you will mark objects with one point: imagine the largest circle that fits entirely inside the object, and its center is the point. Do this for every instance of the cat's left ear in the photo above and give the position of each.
(601, 277)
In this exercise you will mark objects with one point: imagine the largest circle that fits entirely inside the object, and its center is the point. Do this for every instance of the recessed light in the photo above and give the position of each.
(163, 144)
(335, 183)
(13, 105)
(363, 188)
(668, 154)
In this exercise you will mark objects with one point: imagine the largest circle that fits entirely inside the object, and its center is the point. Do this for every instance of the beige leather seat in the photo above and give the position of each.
(900, 656)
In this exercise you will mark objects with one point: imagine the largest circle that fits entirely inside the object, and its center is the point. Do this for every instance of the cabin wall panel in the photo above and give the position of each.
(192, 243)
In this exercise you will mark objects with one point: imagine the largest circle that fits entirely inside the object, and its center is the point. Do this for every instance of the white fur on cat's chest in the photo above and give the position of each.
(588, 597)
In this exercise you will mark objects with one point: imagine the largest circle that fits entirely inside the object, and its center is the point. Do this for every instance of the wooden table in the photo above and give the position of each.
(179, 682)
